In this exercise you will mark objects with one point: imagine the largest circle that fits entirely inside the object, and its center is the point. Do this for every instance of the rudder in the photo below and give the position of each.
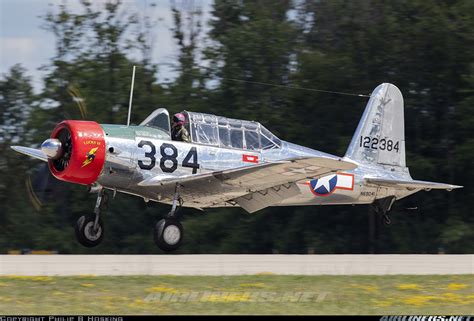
(380, 136)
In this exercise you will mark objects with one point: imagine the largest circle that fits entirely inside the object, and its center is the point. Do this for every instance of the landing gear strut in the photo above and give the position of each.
(90, 228)
(168, 232)
(382, 206)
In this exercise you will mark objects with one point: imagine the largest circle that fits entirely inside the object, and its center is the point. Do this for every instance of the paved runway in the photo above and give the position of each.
(235, 264)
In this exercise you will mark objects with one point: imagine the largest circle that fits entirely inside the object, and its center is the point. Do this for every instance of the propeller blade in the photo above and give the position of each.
(32, 152)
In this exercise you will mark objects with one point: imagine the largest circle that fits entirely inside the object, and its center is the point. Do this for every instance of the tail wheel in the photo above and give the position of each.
(168, 234)
(86, 234)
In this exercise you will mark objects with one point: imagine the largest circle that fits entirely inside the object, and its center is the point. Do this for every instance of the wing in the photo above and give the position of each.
(32, 152)
(211, 189)
(411, 184)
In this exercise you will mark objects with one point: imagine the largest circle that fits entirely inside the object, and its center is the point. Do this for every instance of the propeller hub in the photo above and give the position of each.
(52, 148)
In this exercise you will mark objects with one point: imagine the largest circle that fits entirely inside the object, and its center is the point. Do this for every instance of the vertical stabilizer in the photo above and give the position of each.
(380, 136)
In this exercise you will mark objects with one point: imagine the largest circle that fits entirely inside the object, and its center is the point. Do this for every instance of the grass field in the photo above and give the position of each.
(256, 294)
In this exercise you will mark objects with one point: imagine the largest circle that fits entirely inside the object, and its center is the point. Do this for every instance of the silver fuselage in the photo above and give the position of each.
(137, 153)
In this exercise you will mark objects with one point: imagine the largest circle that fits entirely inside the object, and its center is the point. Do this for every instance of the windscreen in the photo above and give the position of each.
(158, 119)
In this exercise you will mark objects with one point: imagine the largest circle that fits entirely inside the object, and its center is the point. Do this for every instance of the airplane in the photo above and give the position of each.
(230, 163)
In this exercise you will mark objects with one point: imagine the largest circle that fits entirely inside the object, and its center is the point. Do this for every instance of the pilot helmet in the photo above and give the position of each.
(179, 119)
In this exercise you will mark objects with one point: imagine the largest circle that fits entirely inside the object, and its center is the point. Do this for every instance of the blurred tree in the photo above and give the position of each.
(17, 216)
(251, 43)
(16, 102)
(188, 90)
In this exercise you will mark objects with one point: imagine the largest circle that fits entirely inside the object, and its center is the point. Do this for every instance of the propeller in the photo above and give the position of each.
(59, 150)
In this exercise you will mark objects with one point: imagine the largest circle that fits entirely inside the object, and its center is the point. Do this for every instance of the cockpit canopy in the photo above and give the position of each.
(231, 133)
(218, 131)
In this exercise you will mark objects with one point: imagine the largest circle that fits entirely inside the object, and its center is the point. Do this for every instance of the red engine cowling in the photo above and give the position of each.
(83, 152)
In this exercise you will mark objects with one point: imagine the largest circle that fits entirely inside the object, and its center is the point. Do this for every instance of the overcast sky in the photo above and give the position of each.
(22, 40)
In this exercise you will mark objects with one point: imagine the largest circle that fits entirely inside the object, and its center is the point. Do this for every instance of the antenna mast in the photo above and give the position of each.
(131, 97)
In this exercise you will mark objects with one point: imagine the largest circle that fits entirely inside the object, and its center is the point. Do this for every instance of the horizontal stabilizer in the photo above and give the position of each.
(411, 184)
(32, 152)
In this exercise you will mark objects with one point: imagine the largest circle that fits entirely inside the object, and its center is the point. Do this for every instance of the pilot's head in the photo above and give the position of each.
(178, 119)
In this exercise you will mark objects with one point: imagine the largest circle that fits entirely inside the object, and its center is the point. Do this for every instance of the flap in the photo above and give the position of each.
(411, 184)
(256, 201)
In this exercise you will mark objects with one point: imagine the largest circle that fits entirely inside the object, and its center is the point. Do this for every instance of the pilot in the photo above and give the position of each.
(178, 131)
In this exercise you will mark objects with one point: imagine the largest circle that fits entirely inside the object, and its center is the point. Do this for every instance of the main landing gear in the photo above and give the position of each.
(90, 228)
(168, 232)
(382, 206)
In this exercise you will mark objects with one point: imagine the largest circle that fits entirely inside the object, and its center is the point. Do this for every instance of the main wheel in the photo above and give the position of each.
(85, 232)
(168, 234)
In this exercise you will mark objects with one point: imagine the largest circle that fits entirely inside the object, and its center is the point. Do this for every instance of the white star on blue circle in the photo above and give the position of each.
(324, 185)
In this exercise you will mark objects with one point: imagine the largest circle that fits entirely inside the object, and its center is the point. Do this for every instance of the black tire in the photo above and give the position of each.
(84, 231)
(168, 234)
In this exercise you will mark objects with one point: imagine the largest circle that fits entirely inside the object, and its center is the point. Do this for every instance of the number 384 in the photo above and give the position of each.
(169, 157)
(382, 144)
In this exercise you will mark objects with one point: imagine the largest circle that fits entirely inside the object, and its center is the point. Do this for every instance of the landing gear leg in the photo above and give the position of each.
(382, 206)
(386, 219)
(168, 232)
(90, 228)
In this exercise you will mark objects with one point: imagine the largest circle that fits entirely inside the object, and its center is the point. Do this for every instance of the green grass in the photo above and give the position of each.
(401, 294)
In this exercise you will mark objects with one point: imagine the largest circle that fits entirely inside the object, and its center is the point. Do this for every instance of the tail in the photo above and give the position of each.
(380, 140)
(380, 136)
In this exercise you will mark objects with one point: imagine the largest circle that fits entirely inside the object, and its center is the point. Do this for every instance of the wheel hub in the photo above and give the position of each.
(171, 234)
(92, 234)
